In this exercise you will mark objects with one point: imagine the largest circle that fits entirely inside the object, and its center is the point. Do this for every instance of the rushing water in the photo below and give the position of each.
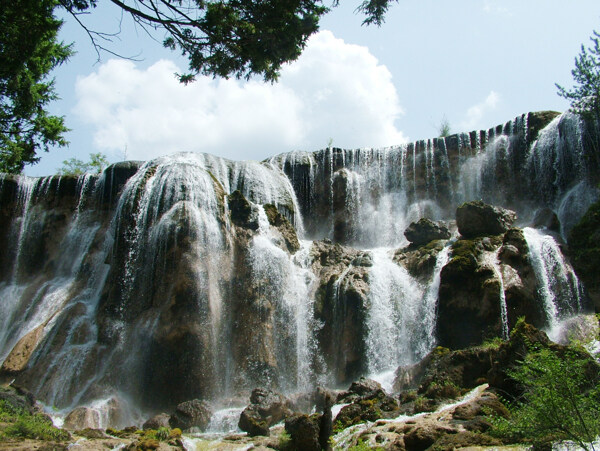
(109, 282)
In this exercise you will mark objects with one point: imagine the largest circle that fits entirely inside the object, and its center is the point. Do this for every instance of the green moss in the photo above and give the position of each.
(23, 424)
(464, 256)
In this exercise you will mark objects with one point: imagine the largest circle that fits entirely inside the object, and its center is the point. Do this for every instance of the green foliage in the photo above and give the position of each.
(29, 51)
(364, 446)
(224, 38)
(284, 441)
(585, 96)
(561, 400)
(444, 128)
(22, 424)
(74, 166)
(492, 343)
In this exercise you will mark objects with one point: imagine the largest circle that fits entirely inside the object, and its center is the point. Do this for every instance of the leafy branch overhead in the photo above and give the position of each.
(225, 38)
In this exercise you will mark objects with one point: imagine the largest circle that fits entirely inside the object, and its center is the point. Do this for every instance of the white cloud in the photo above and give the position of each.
(475, 114)
(335, 90)
(494, 6)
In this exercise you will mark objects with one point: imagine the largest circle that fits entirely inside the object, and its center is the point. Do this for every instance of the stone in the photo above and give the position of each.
(188, 414)
(266, 408)
(422, 437)
(280, 222)
(364, 386)
(478, 219)
(546, 218)
(82, 418)
(425, 230)
(304, 431)
(157, 421)
(19, 356)
(370, 407)
(241, 211)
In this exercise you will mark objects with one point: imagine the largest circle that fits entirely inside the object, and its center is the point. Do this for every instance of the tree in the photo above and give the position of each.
(585, 96)
(75, 166)
(561, 399)
(226, 38)
(444, 128)
(29, 50)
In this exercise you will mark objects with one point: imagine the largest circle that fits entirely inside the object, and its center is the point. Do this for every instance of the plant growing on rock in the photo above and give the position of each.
(561, 400)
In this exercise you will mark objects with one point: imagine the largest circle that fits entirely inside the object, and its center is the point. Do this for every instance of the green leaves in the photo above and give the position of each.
(29, 51)
(561, 399)
(75, 166)
(585, 96)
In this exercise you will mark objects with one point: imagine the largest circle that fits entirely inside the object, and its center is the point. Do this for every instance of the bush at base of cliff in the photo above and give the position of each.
(22, 424)
(561, 400)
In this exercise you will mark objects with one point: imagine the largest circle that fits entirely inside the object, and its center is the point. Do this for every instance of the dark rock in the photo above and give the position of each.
(584, 250)
(304, 431)
(370, 407)
(420, 262)
(478, 219)
(326, 423)
(188, 414)
(546, 218)
(266, 408)
(277, 220)
(241, 211)
(422, 437)
(536, 121)
(425, 230)
(19, 398)
(364, 386)
(157, 421)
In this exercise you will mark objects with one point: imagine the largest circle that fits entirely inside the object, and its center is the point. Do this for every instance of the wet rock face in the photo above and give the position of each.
(266, 408)
(425, 230)
(189, 414)
(479, 219)
(341, 303)
(420, 262)
(469, 305)
(304, 431)
(546, 218)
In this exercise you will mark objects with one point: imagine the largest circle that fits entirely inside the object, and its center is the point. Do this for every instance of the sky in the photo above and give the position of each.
(473, 63)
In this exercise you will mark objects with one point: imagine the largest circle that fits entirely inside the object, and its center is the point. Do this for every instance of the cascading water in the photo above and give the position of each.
(153, 276)
(559, 288)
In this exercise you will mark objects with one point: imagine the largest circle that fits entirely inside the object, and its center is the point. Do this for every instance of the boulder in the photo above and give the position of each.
(188, 414)
(304, 431)
(546, 218)
(425, 230)
(426, 434)
(266, 408)
(364, 386)
(370, 407)
(479, 219)
(157, 421)
(82, 418)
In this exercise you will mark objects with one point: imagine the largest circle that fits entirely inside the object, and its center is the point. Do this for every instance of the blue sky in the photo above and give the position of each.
(475, 63)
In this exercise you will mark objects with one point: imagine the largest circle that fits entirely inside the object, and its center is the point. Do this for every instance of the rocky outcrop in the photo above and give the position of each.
(425, 230)
(191, 414)
(546, 218)
(157, 421)
(304, 431)
(266, 408)
(287, 231)
(476, 218)
(584, 250)
(341, 302)
(420, 262)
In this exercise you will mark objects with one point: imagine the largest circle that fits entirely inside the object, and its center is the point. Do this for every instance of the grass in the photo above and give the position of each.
(25, 425)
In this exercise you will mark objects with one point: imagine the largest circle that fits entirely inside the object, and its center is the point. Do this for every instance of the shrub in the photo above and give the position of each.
(561, 400)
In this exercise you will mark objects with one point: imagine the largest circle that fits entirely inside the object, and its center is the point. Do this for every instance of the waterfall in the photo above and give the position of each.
(558, 286)
(142, 278)
(395, 323)
(491, 259)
